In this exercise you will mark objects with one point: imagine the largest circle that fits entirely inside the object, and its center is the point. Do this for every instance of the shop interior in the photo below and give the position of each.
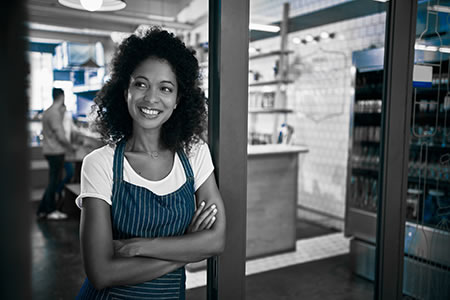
(315, 84)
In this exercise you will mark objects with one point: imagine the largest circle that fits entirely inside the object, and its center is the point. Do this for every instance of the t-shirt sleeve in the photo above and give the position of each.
(202, 164)
(96, 176)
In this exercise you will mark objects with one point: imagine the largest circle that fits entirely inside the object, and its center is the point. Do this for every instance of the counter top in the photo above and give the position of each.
(275, 149)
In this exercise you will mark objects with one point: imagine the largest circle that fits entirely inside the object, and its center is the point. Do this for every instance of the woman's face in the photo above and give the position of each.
(152, 93)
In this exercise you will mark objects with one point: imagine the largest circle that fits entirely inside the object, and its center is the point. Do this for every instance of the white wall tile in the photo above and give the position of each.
(321, 97)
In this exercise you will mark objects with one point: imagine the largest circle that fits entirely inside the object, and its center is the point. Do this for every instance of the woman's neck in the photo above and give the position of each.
(142, 141)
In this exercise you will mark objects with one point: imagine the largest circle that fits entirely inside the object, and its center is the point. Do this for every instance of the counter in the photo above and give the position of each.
(272, 176)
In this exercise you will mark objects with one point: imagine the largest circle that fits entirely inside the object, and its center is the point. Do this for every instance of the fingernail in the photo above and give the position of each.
(213, 218)
(215, 210)
(203, 203)
(213, 206)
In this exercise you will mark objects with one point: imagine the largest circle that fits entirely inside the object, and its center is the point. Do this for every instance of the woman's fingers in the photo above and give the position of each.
(211, 222)
(203, 218)
(206, 217)
(198, 212)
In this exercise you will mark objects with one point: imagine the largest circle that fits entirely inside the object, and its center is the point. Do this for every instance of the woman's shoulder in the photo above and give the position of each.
(198, 149)
(100, 155)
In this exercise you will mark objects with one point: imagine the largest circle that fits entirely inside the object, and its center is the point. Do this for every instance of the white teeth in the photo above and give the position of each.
(149, 111)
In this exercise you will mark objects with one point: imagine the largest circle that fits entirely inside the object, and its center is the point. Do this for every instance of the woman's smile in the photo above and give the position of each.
(148, 112)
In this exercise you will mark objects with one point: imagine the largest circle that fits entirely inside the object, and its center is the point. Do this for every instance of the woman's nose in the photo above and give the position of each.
(151, 96)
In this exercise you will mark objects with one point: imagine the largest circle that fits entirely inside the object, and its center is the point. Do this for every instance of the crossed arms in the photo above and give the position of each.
(109, 262)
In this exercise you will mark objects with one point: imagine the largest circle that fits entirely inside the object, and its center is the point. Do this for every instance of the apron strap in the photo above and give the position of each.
(186, 165)
(118, 161)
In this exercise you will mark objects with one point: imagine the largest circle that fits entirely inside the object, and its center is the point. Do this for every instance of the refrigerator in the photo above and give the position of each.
(427, 229)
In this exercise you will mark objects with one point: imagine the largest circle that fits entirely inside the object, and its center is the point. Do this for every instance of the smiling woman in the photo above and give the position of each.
(149, 200)
(152, 94)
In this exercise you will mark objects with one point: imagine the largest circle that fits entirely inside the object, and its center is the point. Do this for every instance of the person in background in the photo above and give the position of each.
(55, 145)
(149, 200)
(69, 130)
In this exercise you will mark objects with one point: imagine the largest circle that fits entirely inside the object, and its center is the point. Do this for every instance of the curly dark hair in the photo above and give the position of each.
(186, 124)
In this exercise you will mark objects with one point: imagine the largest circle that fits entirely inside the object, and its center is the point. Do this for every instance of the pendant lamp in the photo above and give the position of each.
(94, 5)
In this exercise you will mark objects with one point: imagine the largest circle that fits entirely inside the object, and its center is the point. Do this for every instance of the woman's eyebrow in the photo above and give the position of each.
(139, 76)
(168, 81)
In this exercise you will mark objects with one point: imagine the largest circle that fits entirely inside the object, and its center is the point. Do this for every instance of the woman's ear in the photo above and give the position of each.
(178, 101)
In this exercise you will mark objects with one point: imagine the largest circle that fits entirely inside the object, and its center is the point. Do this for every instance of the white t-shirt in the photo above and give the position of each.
(97, 173)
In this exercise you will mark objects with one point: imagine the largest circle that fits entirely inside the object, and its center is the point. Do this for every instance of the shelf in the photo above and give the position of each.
(367, 119)
(367, 143)
(272, 53)
(426, 91)
(262, 83)
(361, 171)
(270, 149)
(86, 88)
(270, 110)
(373, 91)
(430, 182)
(434, 148)
(429, 118)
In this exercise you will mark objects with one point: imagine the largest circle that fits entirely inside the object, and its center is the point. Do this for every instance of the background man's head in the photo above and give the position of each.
(58, 95)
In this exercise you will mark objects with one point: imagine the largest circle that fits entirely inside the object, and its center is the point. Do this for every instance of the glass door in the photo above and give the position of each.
(427, 229)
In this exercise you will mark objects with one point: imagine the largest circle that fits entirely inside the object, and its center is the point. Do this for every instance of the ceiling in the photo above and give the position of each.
(49, 19)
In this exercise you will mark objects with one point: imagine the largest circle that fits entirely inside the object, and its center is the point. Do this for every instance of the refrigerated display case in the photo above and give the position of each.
(427, 230)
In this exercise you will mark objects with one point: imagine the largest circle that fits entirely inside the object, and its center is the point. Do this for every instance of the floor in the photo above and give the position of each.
(321, 279)
(321, 260)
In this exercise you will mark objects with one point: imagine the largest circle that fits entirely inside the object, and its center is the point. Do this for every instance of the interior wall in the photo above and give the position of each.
(320, 97)
(261, 10)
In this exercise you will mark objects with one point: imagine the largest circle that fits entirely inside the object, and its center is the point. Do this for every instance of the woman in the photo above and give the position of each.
(149, 200)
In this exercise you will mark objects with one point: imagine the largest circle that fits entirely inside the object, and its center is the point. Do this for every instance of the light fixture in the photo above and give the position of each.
(309, 38)
(423, 47)
(91, 5)
(252, 50)
(94, 5)
(262, 27)
(444, 49)
(324, 35)
(296, 40)
(440, 8)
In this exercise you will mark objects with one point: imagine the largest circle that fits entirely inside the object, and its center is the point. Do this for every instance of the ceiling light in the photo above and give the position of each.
(324, 35)
(93, 5)
(440, 8)
(309, 38)
(252, 50)
(296, 40)
(381, 0)
(262, 27)
(444, 49)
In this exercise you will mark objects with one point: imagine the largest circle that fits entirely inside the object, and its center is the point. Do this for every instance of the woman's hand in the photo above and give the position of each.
(126, 248)
(203, 219)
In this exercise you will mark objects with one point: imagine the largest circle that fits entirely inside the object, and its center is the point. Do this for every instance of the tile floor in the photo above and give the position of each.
(307, 250)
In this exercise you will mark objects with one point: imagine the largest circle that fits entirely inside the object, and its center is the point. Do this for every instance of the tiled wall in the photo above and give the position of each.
(321, 96)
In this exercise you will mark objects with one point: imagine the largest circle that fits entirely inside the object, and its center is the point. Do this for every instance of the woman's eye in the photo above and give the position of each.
(140, 84)
(166, 89)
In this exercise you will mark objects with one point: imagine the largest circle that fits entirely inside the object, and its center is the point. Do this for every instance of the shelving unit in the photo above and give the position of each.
(272, 82)
(268, 160)
(428, 177)
(269, 110)
(268, 97)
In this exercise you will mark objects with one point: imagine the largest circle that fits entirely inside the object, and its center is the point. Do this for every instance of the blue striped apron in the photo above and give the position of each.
(137, 212)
